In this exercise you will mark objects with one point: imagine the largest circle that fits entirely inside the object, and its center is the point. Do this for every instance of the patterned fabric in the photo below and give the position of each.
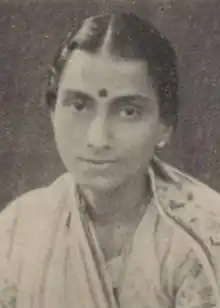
(50, 256)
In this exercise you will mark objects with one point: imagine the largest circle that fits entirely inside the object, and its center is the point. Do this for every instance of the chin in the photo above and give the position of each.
(98, 183)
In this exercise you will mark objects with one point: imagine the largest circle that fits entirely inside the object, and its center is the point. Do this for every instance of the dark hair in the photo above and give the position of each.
(127, 36)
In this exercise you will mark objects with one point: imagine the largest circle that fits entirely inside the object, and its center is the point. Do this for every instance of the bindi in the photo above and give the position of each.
(103, 92)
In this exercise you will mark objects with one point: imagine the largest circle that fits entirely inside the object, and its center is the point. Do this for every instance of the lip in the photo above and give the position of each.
(98, 161)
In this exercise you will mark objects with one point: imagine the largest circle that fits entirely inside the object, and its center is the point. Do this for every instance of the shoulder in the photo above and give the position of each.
(183, 193)
(198, 206)
(35, 205)
(27, 223)
(192, 203)
(195, 208)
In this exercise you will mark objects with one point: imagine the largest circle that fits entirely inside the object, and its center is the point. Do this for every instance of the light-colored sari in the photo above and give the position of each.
(50, 256)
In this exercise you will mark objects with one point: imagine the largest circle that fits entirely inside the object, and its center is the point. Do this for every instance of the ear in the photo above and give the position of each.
(164, 135)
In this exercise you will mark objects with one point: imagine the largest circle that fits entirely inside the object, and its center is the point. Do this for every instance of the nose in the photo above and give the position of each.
(98, 134)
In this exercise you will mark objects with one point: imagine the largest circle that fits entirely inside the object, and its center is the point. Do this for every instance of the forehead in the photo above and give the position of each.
(92, 72)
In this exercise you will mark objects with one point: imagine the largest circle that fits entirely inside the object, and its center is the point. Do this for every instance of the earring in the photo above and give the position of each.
(161, 144)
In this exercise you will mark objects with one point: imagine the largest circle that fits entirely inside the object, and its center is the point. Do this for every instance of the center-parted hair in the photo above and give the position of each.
(127, 36)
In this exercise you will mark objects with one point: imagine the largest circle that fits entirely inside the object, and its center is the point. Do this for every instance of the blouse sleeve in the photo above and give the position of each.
(195, 290)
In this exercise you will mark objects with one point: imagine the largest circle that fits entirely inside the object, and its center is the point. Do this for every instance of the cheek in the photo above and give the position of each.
(68, 132)
(143, 149)
(138, 138)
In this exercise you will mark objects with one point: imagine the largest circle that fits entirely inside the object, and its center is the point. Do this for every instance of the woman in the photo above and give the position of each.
(120, 228)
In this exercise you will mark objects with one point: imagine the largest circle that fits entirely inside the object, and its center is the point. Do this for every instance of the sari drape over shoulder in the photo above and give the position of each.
(50, 255)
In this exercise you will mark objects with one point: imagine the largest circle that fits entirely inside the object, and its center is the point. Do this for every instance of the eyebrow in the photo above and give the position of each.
(69, 95)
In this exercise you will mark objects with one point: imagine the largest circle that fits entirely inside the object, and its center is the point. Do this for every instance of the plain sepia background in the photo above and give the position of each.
(30, 32)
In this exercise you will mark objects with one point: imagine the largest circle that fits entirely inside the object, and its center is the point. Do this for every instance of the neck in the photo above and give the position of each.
(119, 204)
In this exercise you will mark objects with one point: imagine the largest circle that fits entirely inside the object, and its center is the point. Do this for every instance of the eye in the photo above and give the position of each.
(79, 105)
(130, 112)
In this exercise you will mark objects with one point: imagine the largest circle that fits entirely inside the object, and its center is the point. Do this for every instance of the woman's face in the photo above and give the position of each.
(106, 120)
